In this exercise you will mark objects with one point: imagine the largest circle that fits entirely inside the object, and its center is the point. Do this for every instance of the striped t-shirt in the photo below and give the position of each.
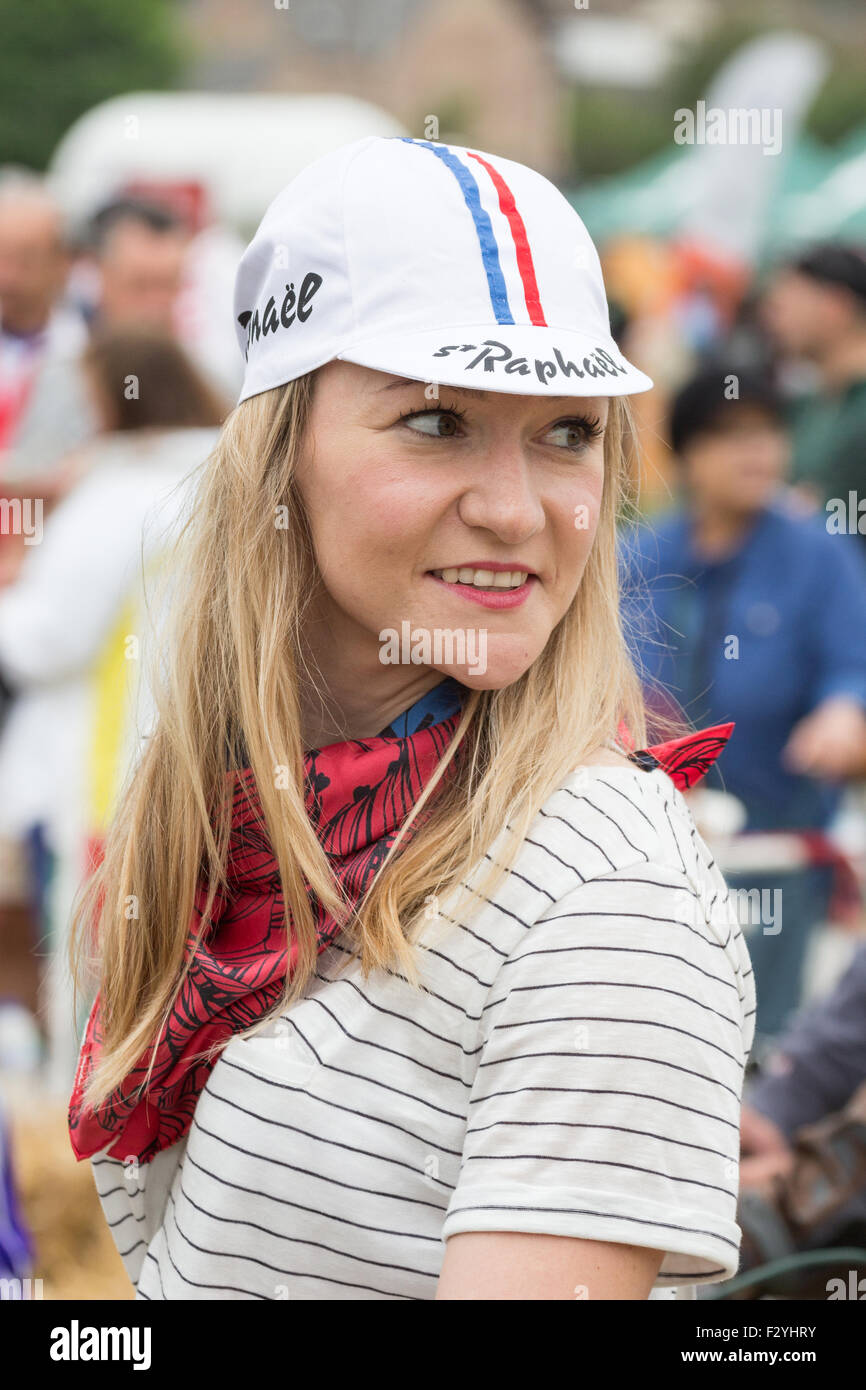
(573, 1066)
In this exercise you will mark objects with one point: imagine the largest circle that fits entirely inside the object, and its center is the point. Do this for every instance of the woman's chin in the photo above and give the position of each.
(493, 669)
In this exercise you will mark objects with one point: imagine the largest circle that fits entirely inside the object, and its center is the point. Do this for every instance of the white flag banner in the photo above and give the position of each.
(739, 135)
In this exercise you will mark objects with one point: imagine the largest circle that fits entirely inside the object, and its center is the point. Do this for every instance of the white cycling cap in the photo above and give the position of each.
(432, 262)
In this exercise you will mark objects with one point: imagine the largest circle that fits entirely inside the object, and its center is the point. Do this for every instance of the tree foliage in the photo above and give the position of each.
(60, 57)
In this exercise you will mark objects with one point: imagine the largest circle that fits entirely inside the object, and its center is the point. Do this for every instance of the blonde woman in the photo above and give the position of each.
(414, 981)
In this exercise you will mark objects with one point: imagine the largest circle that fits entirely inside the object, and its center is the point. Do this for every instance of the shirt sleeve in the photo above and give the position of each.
(133, 1196)
(607, 1098)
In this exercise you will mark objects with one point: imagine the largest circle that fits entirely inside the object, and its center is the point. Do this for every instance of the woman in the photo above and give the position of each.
(398, 673)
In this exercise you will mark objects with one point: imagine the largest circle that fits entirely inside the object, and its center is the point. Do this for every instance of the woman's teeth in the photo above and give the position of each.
(484, 579)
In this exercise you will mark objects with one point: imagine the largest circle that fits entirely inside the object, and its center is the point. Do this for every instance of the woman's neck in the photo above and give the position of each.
(349, 700)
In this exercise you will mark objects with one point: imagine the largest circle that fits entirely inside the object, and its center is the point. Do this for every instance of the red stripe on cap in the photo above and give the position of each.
(521, 243)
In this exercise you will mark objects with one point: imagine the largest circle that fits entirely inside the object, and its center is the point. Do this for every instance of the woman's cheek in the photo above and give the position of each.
(584, 522)
(357, 529)
(582, 518)
(577, 526)
(365, 556)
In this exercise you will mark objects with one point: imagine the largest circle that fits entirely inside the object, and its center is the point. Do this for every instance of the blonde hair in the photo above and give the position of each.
(230, 697)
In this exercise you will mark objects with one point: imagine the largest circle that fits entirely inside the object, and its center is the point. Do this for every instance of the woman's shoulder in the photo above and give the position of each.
(616, 833)
(612, 816)
(605, 814)
(604, 756)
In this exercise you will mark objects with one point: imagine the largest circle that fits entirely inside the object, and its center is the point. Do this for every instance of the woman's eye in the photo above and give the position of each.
(441, 424)
(576, 434)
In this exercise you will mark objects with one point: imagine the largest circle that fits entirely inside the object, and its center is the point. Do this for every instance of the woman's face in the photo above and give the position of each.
(452, 532)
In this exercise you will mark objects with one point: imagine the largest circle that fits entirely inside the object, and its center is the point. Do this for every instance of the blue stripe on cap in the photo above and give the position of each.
(483, 226)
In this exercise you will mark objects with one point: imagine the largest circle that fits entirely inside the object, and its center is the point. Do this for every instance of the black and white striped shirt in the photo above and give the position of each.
(573, 1066)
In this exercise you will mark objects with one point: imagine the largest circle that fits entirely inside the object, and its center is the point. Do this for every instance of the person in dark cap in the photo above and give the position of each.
(740, 610)
(814, 310)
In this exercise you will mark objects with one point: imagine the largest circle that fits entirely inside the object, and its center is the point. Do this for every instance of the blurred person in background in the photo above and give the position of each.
(816, 1067)
(39, 336)
(741, 611)
(72, 624)
(152, 267)
(37, 329)
(205, 322)
(814, 310)
(803, 1137)
(137, 249)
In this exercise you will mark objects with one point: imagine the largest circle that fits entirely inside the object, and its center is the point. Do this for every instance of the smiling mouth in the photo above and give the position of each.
(491, 580)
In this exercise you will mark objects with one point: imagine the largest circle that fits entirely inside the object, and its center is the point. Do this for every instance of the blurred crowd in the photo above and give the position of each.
(744, 600)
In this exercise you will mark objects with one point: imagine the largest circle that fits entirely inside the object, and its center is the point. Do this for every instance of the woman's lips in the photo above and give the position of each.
(489, 598)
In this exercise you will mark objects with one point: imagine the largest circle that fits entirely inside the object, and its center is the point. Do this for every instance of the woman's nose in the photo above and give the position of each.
(502, 497)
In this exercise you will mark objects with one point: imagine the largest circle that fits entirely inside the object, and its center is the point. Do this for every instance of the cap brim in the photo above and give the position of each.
(517, 358)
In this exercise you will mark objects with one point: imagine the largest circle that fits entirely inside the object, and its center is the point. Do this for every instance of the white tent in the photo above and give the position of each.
(241, 149)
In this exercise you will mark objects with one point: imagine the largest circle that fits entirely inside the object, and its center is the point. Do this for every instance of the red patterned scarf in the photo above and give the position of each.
(357, 795)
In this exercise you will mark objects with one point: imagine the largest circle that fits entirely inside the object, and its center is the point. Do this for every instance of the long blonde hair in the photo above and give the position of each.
(232, 682)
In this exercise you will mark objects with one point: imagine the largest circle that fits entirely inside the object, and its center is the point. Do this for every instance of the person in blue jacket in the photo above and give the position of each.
(738, 608)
